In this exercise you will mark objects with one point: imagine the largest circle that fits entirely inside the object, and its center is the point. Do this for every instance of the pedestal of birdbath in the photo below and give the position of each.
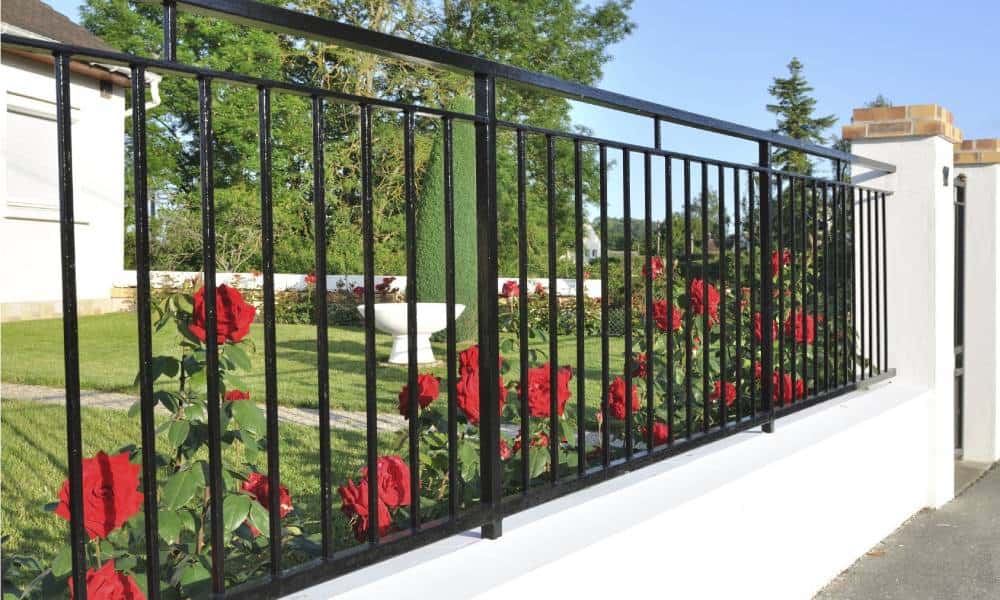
(431, 317)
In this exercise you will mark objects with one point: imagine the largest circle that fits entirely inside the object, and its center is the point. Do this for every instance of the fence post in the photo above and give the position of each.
(766, 291)
(489, 352)
(919, 224)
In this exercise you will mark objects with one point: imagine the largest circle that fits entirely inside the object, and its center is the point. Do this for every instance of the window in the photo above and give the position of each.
(32, 164)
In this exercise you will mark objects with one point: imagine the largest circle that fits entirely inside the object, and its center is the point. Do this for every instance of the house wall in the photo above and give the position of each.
(757, 515)
(29, 227)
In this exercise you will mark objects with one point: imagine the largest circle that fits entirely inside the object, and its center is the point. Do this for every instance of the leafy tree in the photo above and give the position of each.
(794, 108)
(878, 102)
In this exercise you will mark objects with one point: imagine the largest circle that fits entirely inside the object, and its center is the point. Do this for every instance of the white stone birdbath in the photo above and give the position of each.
(431, 318)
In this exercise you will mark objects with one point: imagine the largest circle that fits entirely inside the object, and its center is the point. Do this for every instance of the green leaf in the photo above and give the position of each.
(234, 381)
(195, 580)
(165, 365)
(135, 409)
(259, 518)
(182, 486)
(249, 416)
(238, 356)
(169, 526)
(183, 303)
(178, 432)
(235, 508)
(538, 461)
(63, 562)
(186, 519)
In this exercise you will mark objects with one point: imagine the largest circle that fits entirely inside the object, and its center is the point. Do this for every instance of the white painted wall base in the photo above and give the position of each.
(754, 516)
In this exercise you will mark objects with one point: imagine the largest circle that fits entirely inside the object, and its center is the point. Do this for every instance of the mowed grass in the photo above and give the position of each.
(34, 467)
(32, 354)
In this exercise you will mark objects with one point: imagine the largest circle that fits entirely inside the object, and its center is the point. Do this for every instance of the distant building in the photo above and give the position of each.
(30, 283)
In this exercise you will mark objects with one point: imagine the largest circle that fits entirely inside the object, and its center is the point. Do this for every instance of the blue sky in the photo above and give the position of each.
(717, 58)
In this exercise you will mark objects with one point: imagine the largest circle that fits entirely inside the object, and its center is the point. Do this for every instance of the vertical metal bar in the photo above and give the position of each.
(648, 321)
(270, 339)
(767, 316)
(657, 133)
(790, 319)
(706, 344)
(322, 346)
(605, 432)
(71, 350)
(843, 283)
(781, 284)
(627, 215)
(754, 283)
(827, 258)
(871, 282)
(738, 286)
(688, 314)
(885, 290)
(449, 298)
(581, 377)
(835, 265)
(853, 259)
(211, 328)
(142, 305)
(815, 295)
(522, 263)
(858, 233)
(554, 435)
(169, 30)
(489, 353)
(368, 243)
(669, 217)
(411, 314)
(803, 267)
(877, 357)
(723, 412)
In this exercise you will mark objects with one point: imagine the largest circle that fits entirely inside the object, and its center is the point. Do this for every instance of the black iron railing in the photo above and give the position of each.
(800, 291)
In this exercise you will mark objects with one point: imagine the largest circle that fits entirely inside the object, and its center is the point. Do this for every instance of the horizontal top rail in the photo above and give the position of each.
(282, 20)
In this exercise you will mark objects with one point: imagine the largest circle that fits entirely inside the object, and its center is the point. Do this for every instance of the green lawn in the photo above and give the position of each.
(34, 468)
(32, 353)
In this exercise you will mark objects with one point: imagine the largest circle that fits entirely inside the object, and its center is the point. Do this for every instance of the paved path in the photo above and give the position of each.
(944, 554)
(341, 419)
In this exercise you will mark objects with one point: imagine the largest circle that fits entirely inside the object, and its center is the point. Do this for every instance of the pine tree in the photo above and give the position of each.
(794, 109)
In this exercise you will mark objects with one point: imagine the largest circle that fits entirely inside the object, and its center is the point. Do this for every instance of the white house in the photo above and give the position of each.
(30, 284)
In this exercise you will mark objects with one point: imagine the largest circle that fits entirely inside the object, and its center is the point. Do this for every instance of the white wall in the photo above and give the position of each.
(754, 516)
(981, 422)
(920, 233)
(29, 228)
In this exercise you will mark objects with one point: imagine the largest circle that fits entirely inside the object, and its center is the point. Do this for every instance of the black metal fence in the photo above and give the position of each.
(795, 312)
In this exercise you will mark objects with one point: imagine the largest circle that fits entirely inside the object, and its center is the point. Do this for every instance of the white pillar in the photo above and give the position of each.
(981, 422)
(920, 241)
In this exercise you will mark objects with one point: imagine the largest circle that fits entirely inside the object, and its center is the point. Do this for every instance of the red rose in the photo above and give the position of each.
(539, 288)
(666, 316)
(616, 398)
(656, 267)
(758, 370)
(467, 394)
(784, 387)
(234, 395)
(233, 315)
(696, 292)
(717, 393)
(786, 259)
(110, 493)
(468, 359)
(660, 433)
(354, 503)
(107, 584)
(639, 365)
(382, 288)
(311, 278)
(358, 292)
(758, 327)
(505, 452)
(393, 477)
(801, 326)
(259, 488)
(510, 289)
(539, 404)
(428, 388)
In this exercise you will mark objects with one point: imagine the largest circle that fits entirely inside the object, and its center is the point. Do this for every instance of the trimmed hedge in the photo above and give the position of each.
(430, 222)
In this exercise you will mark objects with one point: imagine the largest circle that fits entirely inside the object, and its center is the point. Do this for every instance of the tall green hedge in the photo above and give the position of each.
(430, 221)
